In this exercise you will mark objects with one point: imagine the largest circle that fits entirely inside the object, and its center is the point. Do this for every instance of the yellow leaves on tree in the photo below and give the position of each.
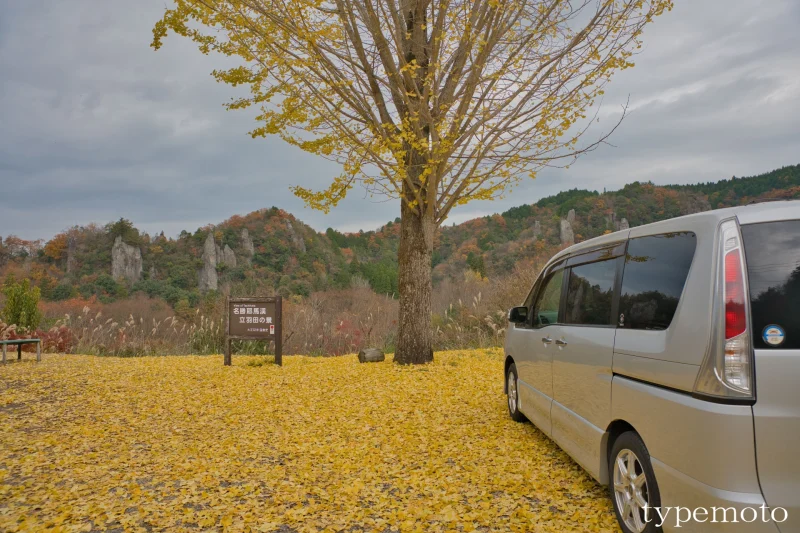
(56, 247)
(322, 444)
(436, 102)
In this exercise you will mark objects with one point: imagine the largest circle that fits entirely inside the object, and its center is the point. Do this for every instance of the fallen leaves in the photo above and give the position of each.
(322, 444)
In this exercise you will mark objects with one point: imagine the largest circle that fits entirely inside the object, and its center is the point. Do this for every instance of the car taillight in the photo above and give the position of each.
(728, 368)
(735, 318)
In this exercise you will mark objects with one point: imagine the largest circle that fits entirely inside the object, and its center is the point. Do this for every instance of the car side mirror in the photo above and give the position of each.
(518, 315)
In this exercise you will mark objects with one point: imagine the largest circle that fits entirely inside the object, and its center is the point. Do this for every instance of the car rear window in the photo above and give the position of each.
(656, 268)
(772, 251)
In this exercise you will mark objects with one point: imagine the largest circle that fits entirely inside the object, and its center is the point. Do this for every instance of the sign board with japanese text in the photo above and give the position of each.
(254, 319)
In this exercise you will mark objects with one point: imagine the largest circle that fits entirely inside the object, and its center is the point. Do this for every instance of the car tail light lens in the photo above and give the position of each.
(727, 371)
(735, 318)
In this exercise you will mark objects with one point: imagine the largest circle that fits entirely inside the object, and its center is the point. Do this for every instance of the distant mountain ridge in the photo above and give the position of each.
(271, 250)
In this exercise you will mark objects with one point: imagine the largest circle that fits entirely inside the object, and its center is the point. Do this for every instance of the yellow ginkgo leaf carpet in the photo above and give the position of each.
(322, 444)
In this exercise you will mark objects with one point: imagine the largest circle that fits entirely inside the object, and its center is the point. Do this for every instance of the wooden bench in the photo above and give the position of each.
(19, 343)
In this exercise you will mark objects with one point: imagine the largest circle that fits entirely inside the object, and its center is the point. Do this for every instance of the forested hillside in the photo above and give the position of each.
(495, 243)
(270, 250)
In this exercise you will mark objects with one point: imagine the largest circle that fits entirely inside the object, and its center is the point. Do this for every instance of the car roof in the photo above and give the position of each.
(748, 214)
(768, 211)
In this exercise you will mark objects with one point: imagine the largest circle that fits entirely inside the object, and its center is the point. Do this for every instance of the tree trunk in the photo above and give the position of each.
(414, 335)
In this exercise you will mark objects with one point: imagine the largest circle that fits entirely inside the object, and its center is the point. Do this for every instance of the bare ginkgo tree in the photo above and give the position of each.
(434, 102)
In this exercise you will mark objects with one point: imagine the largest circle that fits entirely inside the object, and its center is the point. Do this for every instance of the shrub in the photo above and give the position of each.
(301, 287)
(151, 287)
(106, 283)
(61, 292)
(183, 309)
(22, 304)
(237, 274)
(173, 295)
(59, 339)
(87, 290)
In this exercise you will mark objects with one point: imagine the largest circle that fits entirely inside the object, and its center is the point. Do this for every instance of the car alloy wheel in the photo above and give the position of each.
(630, 490)
(512, 392)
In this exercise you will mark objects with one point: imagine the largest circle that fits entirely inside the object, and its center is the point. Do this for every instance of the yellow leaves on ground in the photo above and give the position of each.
(322, 444)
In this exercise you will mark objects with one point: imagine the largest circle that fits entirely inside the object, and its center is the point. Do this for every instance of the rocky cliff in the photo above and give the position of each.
(126, 261)
(566, 233)
(213, 256)
(71, 261)
(228, 258)
(247, 243)
(537, 228)
(297, 240)
(207, 280)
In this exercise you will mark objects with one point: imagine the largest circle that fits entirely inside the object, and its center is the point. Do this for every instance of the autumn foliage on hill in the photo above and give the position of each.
(342, 288)
(299, 261)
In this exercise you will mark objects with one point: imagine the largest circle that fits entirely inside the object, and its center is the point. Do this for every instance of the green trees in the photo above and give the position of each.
(566, 200)
(61, 292)
(124, 228)
(476, 264)
(382, 274)
(21, 307)
(780, 183)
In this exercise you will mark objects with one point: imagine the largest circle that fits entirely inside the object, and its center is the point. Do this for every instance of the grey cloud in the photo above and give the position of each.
(97, 126)
(715, 93)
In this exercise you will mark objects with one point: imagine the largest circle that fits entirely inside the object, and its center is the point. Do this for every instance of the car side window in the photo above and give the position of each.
(590, 293)
(546, 308)
(656, 269)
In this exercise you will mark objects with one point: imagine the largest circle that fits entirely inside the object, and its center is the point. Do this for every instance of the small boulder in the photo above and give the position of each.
(370, 355)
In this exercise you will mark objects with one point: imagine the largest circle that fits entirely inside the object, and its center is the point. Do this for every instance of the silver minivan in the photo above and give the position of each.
(665, 359)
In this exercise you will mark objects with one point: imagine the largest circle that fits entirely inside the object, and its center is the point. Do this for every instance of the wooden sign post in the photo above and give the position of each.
(256, 319)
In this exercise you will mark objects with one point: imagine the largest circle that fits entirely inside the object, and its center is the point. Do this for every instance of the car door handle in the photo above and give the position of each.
(559, 342)
(547, 340)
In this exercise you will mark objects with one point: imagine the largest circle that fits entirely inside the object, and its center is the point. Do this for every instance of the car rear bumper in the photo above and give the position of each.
(679, 490)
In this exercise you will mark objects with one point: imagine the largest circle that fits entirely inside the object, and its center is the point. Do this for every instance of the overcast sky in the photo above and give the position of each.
(95, 125)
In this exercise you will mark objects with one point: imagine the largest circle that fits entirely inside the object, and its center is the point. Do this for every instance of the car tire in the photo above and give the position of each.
(512, 391)
(629, 491)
